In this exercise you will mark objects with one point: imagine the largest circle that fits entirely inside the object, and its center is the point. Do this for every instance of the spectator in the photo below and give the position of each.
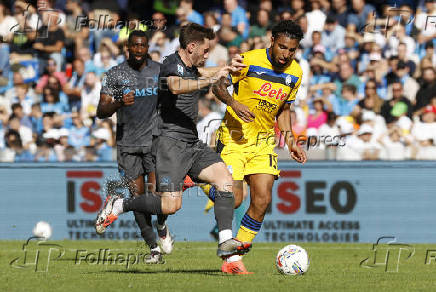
(218, 54)
(297, 7)
(155, 56)
(90, 95)
(25, 133)
(23, 98)
(75, 38)
(346, 76)
(360, 14)
(79, 134)
(333, 35)
(50, 72)
(49, 42)
(85, 55)
(426, 128)
(45, 153)
(228, 34)
(315, 18)
(393, 146)
(262, 22)
(73, 89)
(51, 102)
(8, 25)
(60, 147)
(36, 119)
(209, 123)
(360, 146)
(103, 150)
(409, 84)
(191, 15)
(17, 111)
(428, 88)
(371, 100)
(345, 104)
(340, 12)
(318, 117)
(15, 151)
(238, 17)
(398, 106)
(107, 62)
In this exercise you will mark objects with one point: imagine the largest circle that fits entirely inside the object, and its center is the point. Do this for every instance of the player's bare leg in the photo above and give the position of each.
(218, 175)
(260, 198)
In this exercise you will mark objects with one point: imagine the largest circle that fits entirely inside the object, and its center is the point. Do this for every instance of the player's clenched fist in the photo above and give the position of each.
(129, 98)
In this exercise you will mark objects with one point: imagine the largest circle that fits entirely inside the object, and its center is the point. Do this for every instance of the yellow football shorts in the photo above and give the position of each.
(250, 160)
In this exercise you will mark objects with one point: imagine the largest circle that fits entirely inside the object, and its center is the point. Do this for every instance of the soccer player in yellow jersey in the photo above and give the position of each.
(263, 93)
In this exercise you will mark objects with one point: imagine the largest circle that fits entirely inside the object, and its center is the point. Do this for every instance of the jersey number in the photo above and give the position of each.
(272, 161)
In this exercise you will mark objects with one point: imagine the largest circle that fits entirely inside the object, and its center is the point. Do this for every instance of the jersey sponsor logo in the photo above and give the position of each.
(266, 90)
(266, 106)
(146, 91)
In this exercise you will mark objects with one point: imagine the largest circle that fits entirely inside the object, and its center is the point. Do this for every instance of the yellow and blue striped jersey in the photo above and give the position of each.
(263, 91)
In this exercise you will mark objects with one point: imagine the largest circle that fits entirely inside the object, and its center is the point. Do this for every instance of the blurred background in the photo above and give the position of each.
(369, 72)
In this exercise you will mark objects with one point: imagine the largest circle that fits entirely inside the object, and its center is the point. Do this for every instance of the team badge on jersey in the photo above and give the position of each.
(288, 80)
(180, 69)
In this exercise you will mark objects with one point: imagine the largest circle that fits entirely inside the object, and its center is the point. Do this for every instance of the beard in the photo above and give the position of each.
(137, 61)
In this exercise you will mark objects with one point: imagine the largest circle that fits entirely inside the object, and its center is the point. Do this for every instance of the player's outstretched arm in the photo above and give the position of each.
(219, 88)
(107, 105)
(235, 65)
(180, 85)
(285, 126)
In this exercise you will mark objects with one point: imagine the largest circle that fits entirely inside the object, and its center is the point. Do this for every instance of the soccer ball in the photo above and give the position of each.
(292, 260)
(42, 229)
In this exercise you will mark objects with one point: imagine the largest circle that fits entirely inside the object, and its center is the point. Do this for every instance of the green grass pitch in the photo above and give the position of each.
(193, 266)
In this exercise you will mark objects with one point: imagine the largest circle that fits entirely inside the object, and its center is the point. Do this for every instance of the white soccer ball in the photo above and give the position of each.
(42, 229)
(292, 260)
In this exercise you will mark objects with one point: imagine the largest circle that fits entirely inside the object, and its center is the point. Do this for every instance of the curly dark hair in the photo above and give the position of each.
(288, 28)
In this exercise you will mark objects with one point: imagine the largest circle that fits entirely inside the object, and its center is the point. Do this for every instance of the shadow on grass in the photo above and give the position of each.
(209, 272)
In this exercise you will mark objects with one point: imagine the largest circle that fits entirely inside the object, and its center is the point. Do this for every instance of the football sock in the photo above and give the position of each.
(209, 190)
(224, 203)
(147, 203)
(248, 229)
(117, 208)
(144, 223)
(247, 232)
(161, 229)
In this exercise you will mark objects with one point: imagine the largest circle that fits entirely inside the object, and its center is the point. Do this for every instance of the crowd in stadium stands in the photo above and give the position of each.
(368, 90)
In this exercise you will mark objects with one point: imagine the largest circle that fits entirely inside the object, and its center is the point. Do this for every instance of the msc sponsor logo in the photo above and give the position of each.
(146, 91)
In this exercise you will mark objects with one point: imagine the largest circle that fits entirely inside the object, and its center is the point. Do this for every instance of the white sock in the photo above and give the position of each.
(224, 235)
(233, 258)
(157, 248)
(117, 208)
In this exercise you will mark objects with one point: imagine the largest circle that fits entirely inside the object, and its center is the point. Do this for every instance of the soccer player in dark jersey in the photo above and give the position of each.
(130, 90)
(178, 150)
